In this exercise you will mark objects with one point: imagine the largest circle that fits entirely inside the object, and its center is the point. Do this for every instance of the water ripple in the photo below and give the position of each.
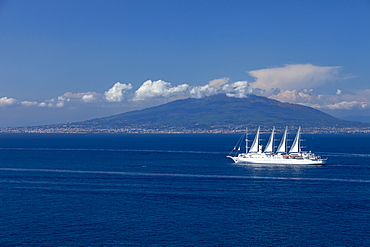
(185, 175)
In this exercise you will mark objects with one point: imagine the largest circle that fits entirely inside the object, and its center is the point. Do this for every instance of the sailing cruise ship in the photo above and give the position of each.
(256, 155)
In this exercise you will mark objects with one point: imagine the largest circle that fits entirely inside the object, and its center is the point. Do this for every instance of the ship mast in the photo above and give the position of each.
(246, 140)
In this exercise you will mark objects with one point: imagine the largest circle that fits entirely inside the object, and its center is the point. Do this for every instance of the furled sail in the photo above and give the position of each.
(283, 147)
(270, 145)
(256, 142)
(246, 140)
(295, 148)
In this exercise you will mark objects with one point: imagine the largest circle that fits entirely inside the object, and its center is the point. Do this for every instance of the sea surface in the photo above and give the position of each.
(179, 190)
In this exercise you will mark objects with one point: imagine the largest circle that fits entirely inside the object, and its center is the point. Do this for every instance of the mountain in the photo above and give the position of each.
(218, 112)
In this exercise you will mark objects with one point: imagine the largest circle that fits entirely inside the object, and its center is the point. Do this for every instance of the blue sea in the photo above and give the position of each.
(179, 190)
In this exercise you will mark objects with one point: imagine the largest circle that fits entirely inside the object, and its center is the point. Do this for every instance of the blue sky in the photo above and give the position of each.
(64, 60)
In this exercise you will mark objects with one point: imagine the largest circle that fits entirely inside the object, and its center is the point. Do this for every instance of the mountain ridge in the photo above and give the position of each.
(215, 114)
(220, 109)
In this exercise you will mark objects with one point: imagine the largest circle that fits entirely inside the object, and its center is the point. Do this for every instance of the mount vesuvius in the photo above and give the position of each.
(217, 113)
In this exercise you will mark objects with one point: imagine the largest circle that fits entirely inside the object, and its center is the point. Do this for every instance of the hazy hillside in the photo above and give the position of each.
(216, 114)
(220, 110)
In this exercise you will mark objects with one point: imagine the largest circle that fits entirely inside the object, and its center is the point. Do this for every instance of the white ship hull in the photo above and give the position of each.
(276, 159)
(294, 156)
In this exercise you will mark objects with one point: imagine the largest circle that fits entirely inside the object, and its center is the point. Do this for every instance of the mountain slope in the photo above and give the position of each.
(219, 111)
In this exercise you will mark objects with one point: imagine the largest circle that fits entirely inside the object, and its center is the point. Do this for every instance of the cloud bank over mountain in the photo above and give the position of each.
(293, 83)
(293, 76)
(158, 89)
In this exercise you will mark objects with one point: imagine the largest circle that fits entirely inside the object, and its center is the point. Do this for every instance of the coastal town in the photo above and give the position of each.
(140, 129)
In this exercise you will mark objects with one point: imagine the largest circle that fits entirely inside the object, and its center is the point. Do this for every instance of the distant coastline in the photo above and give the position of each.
(172, 130)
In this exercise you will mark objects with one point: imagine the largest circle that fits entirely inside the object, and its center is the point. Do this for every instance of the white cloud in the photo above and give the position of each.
(294, 76)
(358, 101)
(5, 101)
(61, 98)
(88, 98)
(59, 102)
(294, 83)
(346, 105)
(295, 96)
(239, 89)
(164, 90)
(29, 103)
(154, 89)
(44, 104)
(178, 90)
(343, 105)
(71, 95)
(202, 91)
(116, 93)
